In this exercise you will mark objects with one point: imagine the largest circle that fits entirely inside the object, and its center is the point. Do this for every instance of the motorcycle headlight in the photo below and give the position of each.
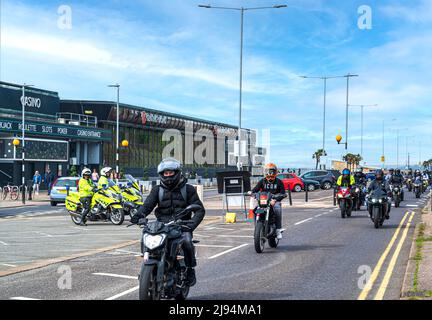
(153, 241)
(374, 200)
(380, 200)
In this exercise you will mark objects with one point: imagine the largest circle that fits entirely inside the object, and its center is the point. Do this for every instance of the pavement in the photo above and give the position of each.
(418, 279)
(321, 256)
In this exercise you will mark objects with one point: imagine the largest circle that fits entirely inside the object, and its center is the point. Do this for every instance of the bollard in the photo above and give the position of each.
(334, 197)
(306, 193)
(290, 196)
(30, 193)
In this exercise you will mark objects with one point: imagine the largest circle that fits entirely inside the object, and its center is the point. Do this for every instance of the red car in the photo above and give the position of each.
(291, 181)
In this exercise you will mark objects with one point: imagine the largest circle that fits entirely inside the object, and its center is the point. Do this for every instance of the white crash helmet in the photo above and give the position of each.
(86, 172)
(105, 171)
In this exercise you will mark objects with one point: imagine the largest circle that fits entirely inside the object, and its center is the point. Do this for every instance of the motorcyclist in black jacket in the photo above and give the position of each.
(380, 183)
(397, 179)
(360, 179)
(171, 197)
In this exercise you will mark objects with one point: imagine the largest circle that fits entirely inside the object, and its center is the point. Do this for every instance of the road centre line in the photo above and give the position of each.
(363, 295)
(123, 293)
(303, 221)
(22, 298)
(384, 284)
(122, 276)
(228, 251)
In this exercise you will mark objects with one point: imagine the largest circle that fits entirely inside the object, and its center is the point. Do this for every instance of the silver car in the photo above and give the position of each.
(59, 189)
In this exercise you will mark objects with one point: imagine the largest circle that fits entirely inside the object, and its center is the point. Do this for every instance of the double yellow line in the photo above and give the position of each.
(384, 284)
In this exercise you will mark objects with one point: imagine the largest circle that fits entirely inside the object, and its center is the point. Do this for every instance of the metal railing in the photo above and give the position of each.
(77, 119)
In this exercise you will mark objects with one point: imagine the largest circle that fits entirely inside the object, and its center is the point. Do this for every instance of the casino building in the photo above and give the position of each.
(65, 133)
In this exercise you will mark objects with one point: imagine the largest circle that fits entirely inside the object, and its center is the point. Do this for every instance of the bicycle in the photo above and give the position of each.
(11, 191)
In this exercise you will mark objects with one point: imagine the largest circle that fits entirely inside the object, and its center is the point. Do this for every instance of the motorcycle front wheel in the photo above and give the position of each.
(376, 217)
(117, 217)
(259, 240)
(343, 208)
(76, 218)
(147, 283)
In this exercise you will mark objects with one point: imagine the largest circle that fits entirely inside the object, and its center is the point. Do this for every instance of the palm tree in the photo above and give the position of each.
(352, 160)
(317, 155)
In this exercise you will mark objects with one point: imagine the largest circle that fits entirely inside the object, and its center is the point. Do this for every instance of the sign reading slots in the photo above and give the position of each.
(55, 130)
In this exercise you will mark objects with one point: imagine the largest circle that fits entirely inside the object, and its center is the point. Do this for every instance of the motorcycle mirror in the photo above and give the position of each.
(193, 207)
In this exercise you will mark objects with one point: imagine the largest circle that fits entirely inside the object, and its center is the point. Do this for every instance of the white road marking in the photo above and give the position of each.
(123, 293)
(137, 254)
(116, 275)
(3, 243)
(318, 215)
(22, 298)
(228, 251)
(8, 265)
(212, 246)
(412, 205)
(215, 228)
(306, 220)
(44, 234)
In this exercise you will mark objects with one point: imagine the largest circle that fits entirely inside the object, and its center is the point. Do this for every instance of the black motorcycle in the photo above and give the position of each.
(163, 272)
(378, 206)
(409, 184)
(265, 222)
(397, 194)
(357, 195)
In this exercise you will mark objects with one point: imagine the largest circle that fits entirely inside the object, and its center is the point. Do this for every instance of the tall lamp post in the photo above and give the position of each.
(348, 76)
(362, 112)
(117, 126)
(23, 103)
(325, 78)
(242, 10)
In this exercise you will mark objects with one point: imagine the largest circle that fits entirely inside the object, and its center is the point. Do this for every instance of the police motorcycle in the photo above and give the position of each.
(132, 198)
(104, 206)
(163, 272)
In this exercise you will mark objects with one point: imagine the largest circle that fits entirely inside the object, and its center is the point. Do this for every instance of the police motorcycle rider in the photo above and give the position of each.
(105, 176)
(397, 179)
(270, 183)
(380, 183)
(86, 189)
(172, 196)
(426, 176)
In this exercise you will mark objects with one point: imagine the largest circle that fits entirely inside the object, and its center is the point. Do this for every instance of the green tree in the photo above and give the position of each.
(73, 171)
(317, 156)
(353, 160)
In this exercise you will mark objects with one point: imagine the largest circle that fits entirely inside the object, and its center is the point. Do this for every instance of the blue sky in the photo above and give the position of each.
(172, 55)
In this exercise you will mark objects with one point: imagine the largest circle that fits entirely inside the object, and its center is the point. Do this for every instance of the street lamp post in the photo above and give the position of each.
(325, 78)
(117, 126)
(348, 76)
(242, 10)
(362, 113)
(23, 103)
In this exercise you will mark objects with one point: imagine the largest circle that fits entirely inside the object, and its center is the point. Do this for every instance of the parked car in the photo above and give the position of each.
(291, 181)
(336, 173)
(294, 183)
(59, 190)
(325, 178)
(312, 185)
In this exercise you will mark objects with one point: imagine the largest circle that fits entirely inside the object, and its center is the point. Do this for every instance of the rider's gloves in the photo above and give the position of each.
(135, 219)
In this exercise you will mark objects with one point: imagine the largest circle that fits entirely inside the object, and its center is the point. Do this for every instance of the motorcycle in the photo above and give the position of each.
(409, 184)
(163, 272)
(378, 204)
(397, 194)
(417, 186)
(104, 206)
(356, 193)
(132, 198)
(425, 185)
(345, 201)
(265, 222)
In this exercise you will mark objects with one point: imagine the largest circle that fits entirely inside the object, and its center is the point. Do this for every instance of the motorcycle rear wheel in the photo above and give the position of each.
(76, 218)
(259, 240)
